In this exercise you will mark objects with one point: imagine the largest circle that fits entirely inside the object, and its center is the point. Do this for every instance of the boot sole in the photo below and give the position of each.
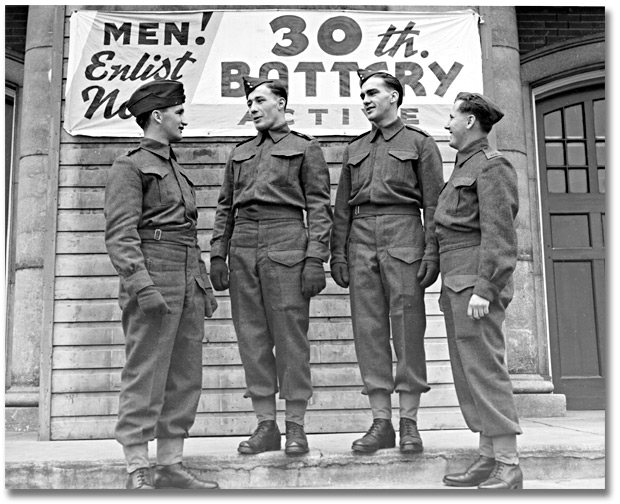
(364, 449)
(412, 448)
(249, 451)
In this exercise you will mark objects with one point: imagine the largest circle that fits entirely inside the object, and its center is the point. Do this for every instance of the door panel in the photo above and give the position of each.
(571, 146)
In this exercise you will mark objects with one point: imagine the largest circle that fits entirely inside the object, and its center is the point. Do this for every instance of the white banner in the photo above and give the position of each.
(316, 53)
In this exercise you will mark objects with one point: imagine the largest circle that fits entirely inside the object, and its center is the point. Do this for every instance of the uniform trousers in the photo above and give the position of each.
(477, 348)
(161, 381)
(384, 253)
(269, 311)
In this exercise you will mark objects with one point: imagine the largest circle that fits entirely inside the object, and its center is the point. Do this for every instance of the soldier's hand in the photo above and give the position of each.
(219, 274)
(210, 304)
(428, 273)
(152, 303)
(312, 277)
(340, 274)
(478, 307)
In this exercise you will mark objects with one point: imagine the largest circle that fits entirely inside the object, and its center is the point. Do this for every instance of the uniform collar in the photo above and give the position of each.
(275, 134)
(157, 148)
(389, 131)
(469, 150)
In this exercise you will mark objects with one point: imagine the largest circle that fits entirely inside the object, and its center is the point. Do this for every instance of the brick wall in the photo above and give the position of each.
(540, 26)
(16, 18)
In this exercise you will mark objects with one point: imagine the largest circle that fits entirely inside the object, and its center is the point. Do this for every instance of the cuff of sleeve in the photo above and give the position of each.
(138, 281)
(431, 256)
(486, 289)
(216, 252)
(318, 250)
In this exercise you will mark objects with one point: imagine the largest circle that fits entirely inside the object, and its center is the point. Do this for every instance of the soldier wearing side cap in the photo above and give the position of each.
(475, 227)
(164, 294)
(275, 261)
(387, 257)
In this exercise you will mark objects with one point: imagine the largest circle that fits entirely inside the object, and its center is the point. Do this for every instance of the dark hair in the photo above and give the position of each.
(278, 89)
(392, 83)
(470, 104)
(144, 119)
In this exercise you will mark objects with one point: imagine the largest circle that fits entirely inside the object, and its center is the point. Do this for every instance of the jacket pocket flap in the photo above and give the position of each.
(357, 158)
(406, 254)
(463, 181)
(158, 171)
(239, 157)
(287, 257)
(457, 283)
(287, 153)
(403, 155)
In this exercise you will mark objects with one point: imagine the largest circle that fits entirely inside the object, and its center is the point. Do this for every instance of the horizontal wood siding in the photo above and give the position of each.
(88, 351)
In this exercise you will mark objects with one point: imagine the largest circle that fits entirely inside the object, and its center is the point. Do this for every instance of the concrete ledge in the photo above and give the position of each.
(561, 448)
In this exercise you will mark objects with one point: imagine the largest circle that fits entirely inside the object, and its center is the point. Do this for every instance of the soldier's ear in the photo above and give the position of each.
(156, 115)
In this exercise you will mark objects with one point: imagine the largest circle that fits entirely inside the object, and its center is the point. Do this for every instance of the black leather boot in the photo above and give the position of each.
(380, 435)
(266, 437)
(475, 474)
(296, 441)
(504, 477)
(140, 479)
(177, 476)
(410, 440)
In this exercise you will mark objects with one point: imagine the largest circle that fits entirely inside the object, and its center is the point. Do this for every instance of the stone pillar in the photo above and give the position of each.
(31, 218)
(525, 328)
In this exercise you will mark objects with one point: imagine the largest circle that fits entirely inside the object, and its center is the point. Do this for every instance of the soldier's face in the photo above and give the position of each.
(266, 108)
(378, 99)
(173, 122)
(458, 126)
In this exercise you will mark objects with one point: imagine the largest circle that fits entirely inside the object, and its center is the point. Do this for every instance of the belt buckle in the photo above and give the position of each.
(158, 234)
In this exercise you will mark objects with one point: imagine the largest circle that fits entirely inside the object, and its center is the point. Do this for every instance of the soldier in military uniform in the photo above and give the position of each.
(387, 257)
(275, 261)
(165, 294)
(475, 226)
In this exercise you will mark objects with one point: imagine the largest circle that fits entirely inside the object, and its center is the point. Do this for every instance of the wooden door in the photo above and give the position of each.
(571, 148)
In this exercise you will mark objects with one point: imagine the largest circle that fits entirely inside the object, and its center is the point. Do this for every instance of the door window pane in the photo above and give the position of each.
(555, 154)
(599, 118)
(576, 154)
(601, 180)
(573, 119)
(556, 181)
(578, 181)
(553, 125)
(600, 154)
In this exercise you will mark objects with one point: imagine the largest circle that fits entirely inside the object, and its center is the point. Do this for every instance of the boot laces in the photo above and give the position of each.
(408, 428)
(142, 476)
(375, 427)
(294, 429)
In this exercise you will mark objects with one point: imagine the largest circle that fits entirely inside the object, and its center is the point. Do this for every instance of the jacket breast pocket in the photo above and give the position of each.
(464, 197)
(400, 167)
(244, 168)
(285, 166)
(157, 186)
(355, 164)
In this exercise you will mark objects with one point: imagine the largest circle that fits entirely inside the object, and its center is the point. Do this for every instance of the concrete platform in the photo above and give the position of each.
(565, 452)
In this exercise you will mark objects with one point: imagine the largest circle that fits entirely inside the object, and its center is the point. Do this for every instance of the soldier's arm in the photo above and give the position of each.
(342, 215)
(316, 187)
(498, 202)
(123, 210)
(224, 218)
(430, 175)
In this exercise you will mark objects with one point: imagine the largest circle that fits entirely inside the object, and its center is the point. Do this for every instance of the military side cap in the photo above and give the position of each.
(364, 74)
(251, 83)
(156, 95)
(484, 103)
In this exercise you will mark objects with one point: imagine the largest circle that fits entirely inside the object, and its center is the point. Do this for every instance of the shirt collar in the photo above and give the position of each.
(389, 131)
(157, 148)
(275, 134)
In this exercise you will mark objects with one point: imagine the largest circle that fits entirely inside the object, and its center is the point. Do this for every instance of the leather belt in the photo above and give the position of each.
(187, 238)
(259, 212)
(371, 209)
